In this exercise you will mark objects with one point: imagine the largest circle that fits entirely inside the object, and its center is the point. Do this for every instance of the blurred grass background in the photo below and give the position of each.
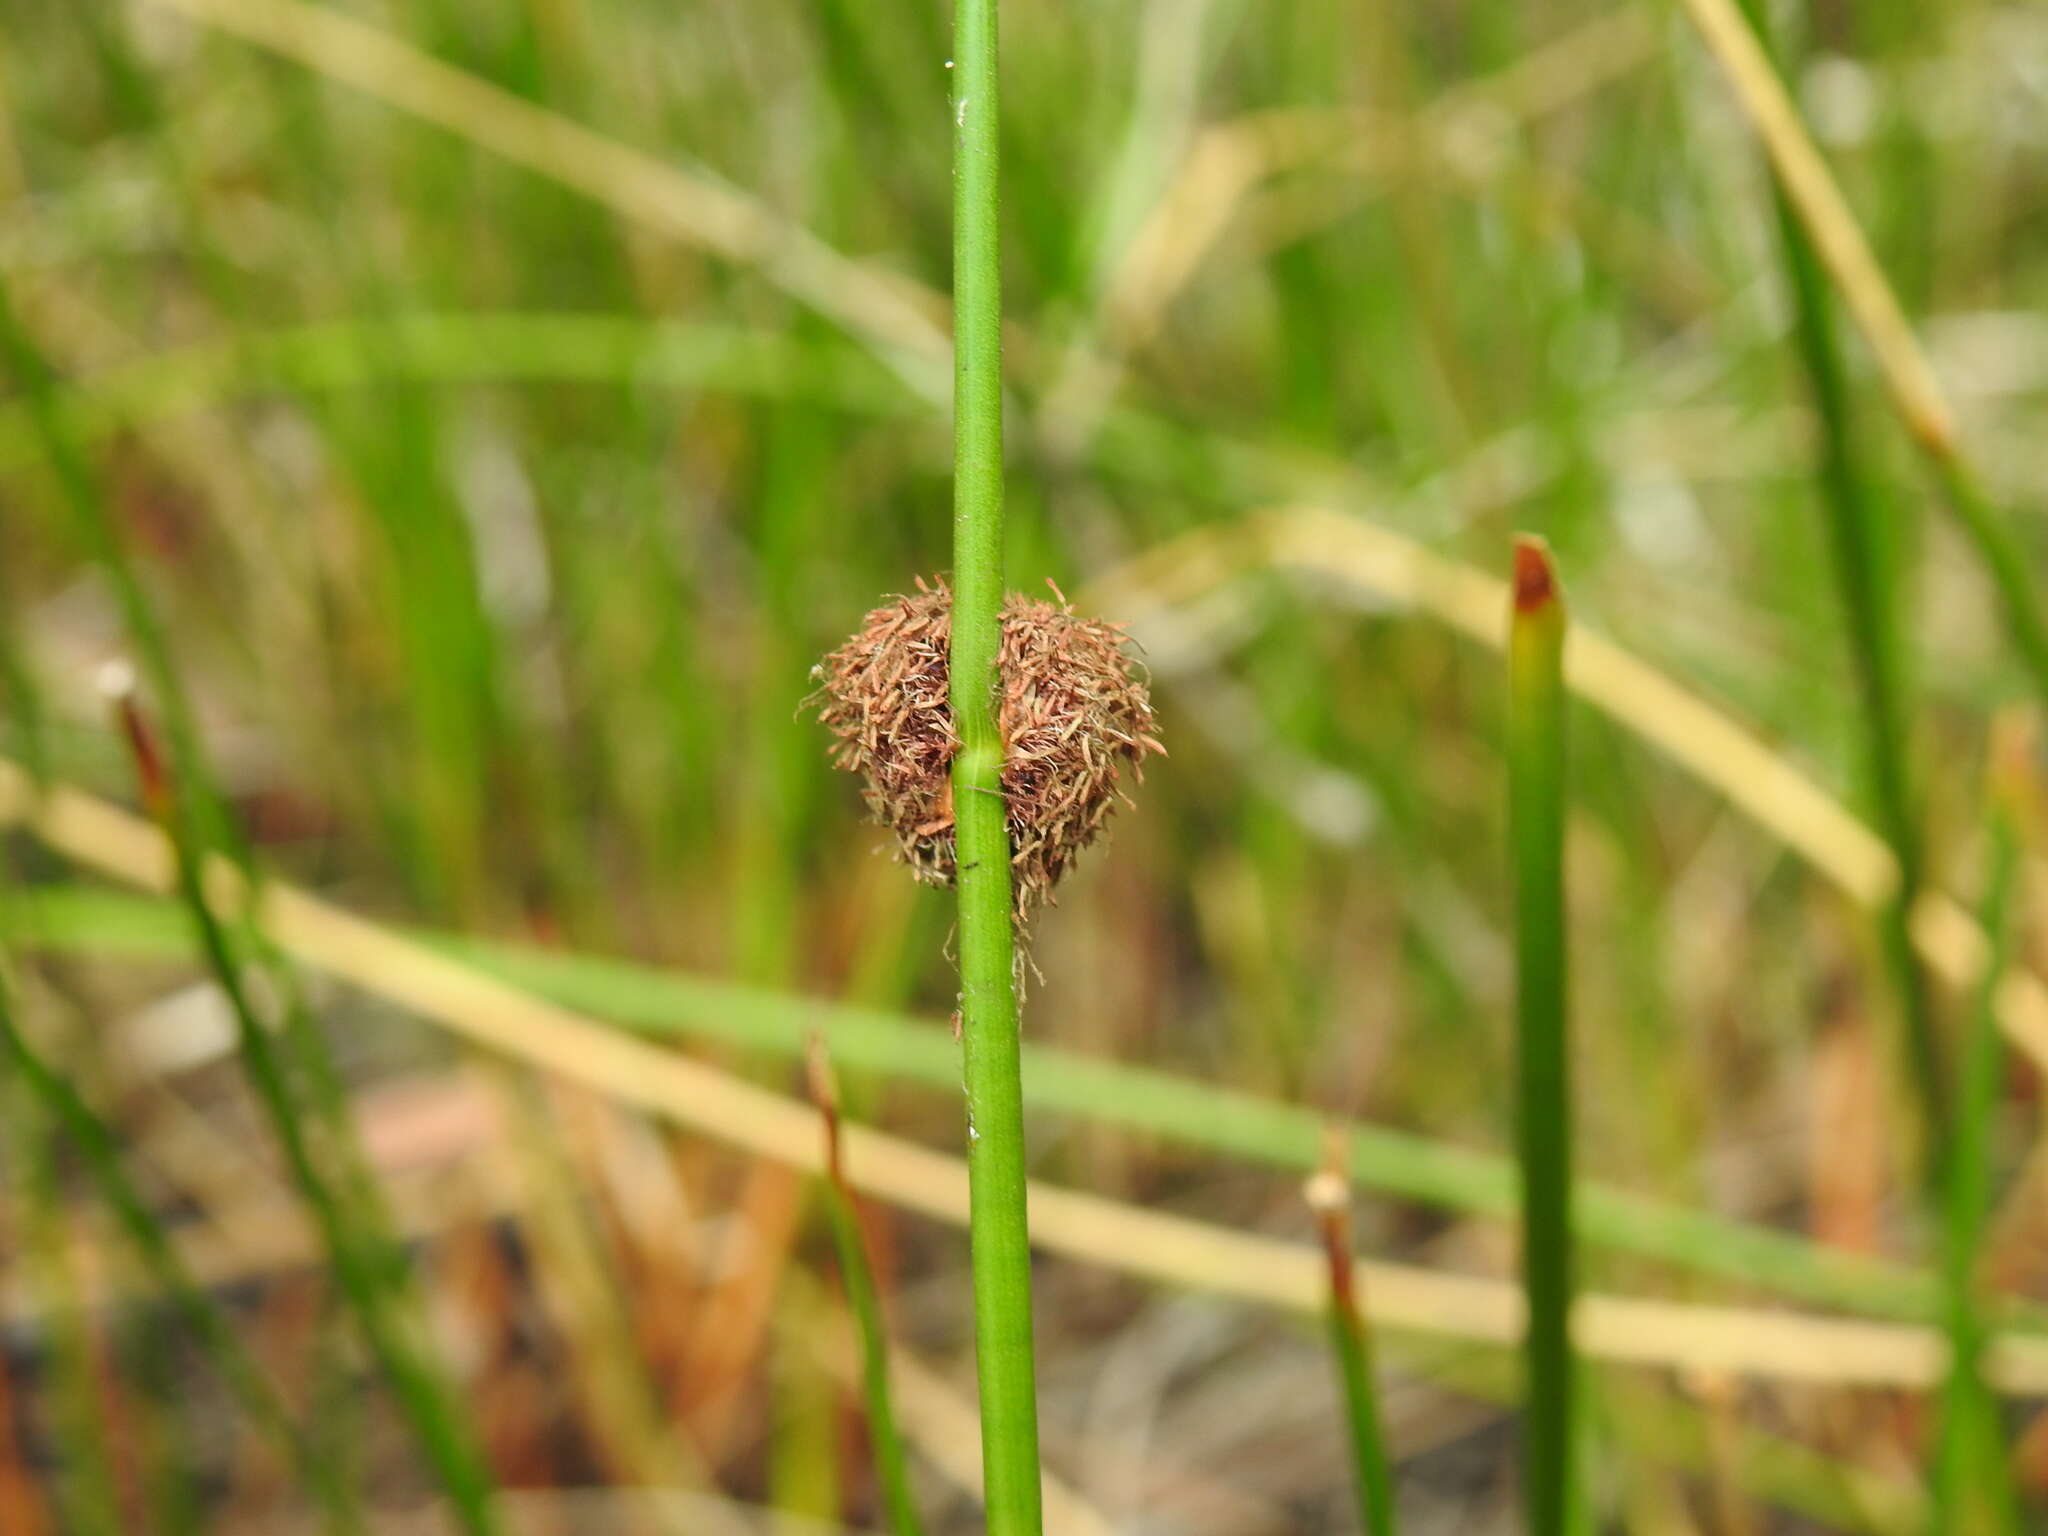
(493, 490)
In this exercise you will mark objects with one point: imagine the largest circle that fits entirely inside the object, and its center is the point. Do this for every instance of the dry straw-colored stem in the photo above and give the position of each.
(1829, 223)
(1075, 1225)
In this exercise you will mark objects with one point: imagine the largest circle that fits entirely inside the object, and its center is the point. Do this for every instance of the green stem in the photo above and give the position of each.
(1973, 1481)
(1870, 612)
(1351, 1344)
(1536, 770)
(988, 996)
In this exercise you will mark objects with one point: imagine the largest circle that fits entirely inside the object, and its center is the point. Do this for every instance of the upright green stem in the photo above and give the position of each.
(1329, 1197)
(988, 993)
(1869, 609)
(1536, 769)
(1974, 1491)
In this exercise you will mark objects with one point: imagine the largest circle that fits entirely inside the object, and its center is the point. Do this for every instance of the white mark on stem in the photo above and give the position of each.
(960, 114)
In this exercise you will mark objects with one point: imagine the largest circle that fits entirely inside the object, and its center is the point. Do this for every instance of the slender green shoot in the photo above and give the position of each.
(1329, 1198)
(842, 1211)
(988, 992)
(1536, 798)
(1869, 607)
(1973, 1487)
(361, 1260)
(99, 1152)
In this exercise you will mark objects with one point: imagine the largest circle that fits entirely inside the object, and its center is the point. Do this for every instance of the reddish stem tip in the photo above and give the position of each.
(117, 685)
(1535, 576)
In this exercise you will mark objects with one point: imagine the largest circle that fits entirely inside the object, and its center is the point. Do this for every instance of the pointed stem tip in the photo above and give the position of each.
(116, 683)
(1535, 576)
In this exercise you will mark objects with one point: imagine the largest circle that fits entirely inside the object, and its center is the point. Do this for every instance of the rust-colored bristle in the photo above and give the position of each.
(1074, 714)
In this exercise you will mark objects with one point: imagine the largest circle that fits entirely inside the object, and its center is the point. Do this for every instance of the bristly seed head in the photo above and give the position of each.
(1074, 712)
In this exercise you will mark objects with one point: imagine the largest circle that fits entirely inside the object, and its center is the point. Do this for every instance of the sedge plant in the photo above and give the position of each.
(1329, 1198)
(1536, 781)
(988, 985)
(863, 1298)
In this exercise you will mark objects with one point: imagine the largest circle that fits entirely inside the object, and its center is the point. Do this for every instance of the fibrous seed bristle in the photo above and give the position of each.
(1074, 713)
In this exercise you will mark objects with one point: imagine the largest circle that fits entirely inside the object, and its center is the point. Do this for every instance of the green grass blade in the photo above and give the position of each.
(1180, 1110)
(988, 990)
(1536, 800)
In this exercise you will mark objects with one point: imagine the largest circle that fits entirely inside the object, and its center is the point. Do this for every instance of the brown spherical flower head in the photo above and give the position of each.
(1074, 714)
